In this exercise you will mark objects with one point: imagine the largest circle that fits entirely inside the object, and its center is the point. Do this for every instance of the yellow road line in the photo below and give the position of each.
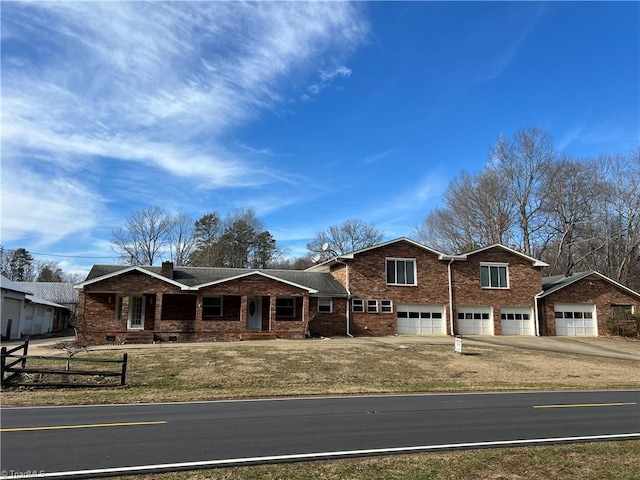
(578, 405)
(69, 427)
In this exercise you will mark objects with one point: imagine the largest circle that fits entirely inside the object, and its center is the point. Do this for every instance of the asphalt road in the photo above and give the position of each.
(81, 441)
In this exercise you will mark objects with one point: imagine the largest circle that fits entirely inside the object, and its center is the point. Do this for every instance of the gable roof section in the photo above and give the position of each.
(103, 272)
(194, 278)
(558, 282)
(350, 256)
(57, 292)
(536, 262)
(7, 284)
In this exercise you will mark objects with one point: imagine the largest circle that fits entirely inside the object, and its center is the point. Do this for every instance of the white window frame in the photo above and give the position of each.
(372, 305)
(324, 302)
(386, 306)
(203, 307)
(489, 266)
(395, 271)
(357, 305)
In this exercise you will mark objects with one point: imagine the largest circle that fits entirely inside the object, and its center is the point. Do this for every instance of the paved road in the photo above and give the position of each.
(69, 442)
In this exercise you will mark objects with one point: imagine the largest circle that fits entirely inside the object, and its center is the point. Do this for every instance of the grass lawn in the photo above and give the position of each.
(170, 373)
(319, 367)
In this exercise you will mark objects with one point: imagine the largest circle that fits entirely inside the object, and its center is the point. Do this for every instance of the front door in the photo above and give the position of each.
(136, 313)
(254, 313)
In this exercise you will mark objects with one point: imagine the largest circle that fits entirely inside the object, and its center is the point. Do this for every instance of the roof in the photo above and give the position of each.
(536, 262)
(193, 278)
(558, 282)
(7, 284)
(42, 301)
(350, 256)
(58, 292)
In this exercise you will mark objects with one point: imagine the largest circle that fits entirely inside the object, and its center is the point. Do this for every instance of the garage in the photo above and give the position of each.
(421, 319)
(11, 309)
(517, 321)
(475, 321)
(576, 319)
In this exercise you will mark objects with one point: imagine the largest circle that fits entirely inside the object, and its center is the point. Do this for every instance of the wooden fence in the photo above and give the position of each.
(13, 366)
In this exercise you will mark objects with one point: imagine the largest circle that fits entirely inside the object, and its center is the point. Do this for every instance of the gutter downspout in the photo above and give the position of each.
(450, 295)
(346, 266)
(536, 297)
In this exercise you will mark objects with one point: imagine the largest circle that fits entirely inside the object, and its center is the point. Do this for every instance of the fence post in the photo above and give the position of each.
(3, 359)
(24, 353)
(124, 370)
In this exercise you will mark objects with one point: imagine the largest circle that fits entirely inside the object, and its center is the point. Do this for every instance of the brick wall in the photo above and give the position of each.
(586, 291)
(367, 280)
(525, 281)
(328, 324)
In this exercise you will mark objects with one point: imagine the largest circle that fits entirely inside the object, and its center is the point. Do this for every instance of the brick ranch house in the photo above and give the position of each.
(396, 287)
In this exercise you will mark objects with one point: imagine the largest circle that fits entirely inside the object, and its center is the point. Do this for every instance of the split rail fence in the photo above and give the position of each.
(13, 366)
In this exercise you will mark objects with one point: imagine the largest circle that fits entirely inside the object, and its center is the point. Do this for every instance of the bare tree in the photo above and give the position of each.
(145, 235)
(181, 239)
(478, 211)
(524, 161)
(350, 236)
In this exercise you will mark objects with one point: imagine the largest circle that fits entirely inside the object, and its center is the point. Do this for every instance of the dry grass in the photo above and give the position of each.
(240, 370)
(591, 461)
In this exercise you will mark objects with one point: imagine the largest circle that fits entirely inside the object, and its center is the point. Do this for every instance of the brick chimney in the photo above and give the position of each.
(167, 270)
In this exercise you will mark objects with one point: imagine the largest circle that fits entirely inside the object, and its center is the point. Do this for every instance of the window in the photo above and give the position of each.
(386, 306)
(211, 307)
(325, 305)
(372, 306)
(357, 305)
(494, 276)
(623, 312)
(285, 307)
(401, 271)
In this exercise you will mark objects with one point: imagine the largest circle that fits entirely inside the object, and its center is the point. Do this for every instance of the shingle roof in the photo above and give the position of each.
(557, 282)
(323, 283)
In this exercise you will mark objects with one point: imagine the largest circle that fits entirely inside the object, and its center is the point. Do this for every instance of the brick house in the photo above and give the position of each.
(395, 287)
(402, 286)
(581, 304)
(145, 304)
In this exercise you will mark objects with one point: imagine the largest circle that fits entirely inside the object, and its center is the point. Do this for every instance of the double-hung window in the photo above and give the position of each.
(494, 275)
(325, 305)
(357, 305)
(401, 271)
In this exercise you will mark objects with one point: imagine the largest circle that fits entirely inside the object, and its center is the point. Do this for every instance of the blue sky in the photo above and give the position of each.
(310, 113)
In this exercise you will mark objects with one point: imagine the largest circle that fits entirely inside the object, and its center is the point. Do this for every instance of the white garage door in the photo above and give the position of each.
(11, 309)
(475, 321)
(421, 320)
(517, 321)
(576, 319)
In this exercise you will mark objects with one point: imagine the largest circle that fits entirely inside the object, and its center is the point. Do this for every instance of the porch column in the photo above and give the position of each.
(125, 311)
(243, 312)
(272, 313)
(305, 315)
(198, 323)
(158, 313)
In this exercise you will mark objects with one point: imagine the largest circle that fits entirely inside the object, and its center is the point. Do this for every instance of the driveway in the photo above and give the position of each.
(621, 348)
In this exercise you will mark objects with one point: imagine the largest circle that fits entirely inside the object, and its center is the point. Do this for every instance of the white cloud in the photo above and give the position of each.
(154, 84)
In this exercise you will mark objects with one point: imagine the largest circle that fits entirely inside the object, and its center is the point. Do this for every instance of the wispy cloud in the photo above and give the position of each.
(325, 78)
(152, 84)
(375, 158)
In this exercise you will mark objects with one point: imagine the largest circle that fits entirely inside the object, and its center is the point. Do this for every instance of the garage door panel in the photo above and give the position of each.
(576, 320)
(517, 321)
(475, 321)
(421, 319)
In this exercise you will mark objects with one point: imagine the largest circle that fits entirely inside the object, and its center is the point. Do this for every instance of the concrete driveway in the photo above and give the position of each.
(621, 348)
